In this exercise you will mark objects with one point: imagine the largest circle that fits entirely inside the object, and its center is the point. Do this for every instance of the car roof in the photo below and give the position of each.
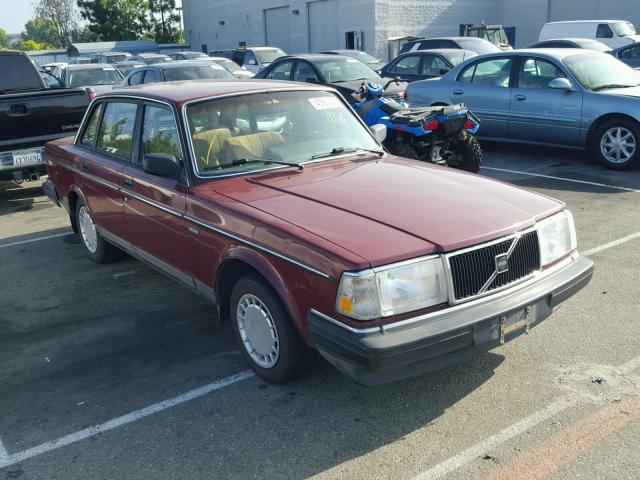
(185, 91)
(315, 56)
(88, 66)
(112, 52)
(181, 64)
(557, 53)
(129, 62)
(441, 51)
(260, 48)
(586, 21)
(455, 39)
(151, 54)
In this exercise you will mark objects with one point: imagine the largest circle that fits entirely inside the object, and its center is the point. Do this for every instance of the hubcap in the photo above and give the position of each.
(258, 331)
(87, 230)
(618, 145)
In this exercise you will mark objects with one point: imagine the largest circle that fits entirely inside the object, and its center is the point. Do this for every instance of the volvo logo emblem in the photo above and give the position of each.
(502, 263)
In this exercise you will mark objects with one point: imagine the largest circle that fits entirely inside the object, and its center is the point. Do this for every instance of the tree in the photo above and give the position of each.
(116, 19)
(42, 30)
(63, 15)
(165, 21)
(5, 41)
(30, 45)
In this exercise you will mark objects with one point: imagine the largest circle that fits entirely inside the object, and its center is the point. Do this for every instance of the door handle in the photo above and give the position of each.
(520, 97)
(85, 166)
(18, 110)
(127, 182)
(457, 91)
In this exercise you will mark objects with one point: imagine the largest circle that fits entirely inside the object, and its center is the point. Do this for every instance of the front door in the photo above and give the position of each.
(154, 205)
(484, 86)
(539, 113)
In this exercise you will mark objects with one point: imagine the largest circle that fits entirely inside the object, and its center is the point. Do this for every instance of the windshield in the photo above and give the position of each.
(593, 45)
(497, 37)
(229, 65)
(195, 72)
(345, 70)
(127, 69)
(599, 70)
(241, 134)
(117, 58)
(458, 57)
(97, 76)
(268, 56)
(623, 29)
(479, 46)
(362, 56)
(156, 59)
(194, 55)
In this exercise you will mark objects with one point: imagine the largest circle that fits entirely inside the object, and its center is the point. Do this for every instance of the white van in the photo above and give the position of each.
(615, 33)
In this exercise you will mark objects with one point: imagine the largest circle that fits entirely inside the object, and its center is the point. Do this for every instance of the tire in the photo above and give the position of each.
(404, 150)
(617, 143)
(98, 249)
(471, 152)
(268, 340)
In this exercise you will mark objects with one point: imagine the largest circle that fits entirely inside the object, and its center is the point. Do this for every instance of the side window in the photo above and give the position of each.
(426, 45)
(304, 71)
(407, 65)
(136, 78)
(116, 131)
(632, 53)
(90, 132)
(492, 73)
(604, 31)
(250, 58)
(280, 72)
(537, 73)
(432, 65)
(159, 132)
(151, 77)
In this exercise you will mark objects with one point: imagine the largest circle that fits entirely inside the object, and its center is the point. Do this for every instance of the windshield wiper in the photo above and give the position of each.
(612, 85)
(242, 161)
(341, 150)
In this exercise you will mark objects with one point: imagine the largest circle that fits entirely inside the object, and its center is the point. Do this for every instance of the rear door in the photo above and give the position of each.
(539, 113)
(154, 205)
(484, 86)
(107, 141)
(407, 67)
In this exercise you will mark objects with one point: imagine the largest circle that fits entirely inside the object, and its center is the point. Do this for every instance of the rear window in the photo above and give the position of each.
(98, 76)
(203, 72)
(18, 73)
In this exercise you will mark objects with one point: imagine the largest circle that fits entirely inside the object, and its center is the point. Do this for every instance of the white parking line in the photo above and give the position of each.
(614, 243)
(37, 239)
(3, 451)
(123, 420)
(481, 448)
(486, 445)
(564, 179)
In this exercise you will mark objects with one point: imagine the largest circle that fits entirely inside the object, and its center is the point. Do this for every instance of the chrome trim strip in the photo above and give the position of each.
(344, 325)
(152, 203)
(255, 245)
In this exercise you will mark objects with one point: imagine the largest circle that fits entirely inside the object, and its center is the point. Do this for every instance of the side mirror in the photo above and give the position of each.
(162, 164)
(379, 131)
(397, 79)
(561, 84)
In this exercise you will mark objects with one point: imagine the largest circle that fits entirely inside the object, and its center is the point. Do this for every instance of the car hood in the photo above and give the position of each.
(622, 92)
(391, 209)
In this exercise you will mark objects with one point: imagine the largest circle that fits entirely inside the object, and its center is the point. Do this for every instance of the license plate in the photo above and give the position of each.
(27, 158)
(515, 321)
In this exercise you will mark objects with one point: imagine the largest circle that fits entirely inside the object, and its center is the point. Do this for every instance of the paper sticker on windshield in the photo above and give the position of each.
(352, 60)
(323, 103)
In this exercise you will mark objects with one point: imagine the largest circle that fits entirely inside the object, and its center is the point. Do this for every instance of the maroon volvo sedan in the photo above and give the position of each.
(278, 204)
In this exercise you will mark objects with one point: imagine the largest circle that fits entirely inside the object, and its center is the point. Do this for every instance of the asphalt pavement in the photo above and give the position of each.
(116, 372)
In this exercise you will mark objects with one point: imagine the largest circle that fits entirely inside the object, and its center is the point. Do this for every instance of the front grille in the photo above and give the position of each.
(471, 270)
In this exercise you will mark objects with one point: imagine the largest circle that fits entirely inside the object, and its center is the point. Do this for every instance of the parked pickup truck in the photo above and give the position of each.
(31, 115)
(273, 200)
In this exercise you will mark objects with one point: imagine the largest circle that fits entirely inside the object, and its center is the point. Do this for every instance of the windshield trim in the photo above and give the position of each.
(191, 151)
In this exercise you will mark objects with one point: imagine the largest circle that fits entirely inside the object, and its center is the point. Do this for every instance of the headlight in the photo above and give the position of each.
(386, 291)
(557, 237)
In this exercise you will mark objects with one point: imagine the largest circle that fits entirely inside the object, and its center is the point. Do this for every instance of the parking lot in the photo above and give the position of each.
(114, 371)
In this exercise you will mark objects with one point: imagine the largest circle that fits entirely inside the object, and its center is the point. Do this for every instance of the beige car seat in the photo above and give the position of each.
(250, 146)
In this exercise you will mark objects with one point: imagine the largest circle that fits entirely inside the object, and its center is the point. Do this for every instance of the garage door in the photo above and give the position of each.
(323, 25)
(276, 27)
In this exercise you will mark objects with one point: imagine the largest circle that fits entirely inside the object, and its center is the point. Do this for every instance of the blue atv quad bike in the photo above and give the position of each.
(441, 134)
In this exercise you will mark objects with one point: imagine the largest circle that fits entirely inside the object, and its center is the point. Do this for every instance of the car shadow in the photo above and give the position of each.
(100, 341)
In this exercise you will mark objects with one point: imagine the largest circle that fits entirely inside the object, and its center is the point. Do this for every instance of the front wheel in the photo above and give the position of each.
(470, 154)
(268, 339)
(617, 143)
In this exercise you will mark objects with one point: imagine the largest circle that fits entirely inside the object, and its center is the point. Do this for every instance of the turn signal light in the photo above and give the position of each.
(469, 125)
(91, 93)
(431, 125)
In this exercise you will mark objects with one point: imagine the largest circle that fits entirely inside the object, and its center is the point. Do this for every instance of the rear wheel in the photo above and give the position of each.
(470, 152)
(268, 339)
(99, 250)
(617, 143)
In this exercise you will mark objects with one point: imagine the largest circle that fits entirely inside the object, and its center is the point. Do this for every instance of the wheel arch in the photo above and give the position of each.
(590, 138)
(73, 196)
(242, 261)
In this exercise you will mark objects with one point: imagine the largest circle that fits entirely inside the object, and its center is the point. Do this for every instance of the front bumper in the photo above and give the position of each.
(378, 355)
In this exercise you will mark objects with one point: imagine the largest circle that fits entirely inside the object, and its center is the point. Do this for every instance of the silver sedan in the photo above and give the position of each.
(567, 97)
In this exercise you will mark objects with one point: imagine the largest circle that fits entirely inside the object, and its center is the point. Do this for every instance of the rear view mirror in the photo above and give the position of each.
(162, 164)
(379, 131)
(561, 84)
